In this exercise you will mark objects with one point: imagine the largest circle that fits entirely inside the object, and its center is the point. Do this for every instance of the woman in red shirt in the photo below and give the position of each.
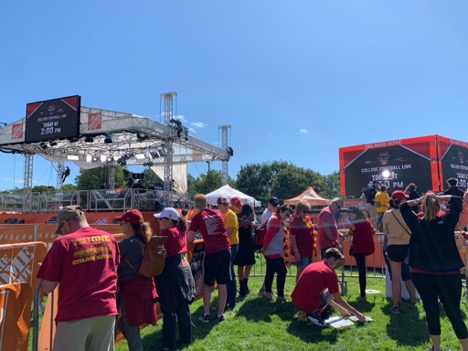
(363, 244)
(175, 285)
(302, 236)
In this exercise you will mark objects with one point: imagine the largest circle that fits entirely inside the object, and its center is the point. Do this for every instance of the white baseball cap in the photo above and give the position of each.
(168, 212)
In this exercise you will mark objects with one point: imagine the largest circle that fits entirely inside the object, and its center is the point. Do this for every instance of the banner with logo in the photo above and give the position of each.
(15, 316)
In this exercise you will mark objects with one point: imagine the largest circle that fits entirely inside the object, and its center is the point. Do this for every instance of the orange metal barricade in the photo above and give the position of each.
(18, 268)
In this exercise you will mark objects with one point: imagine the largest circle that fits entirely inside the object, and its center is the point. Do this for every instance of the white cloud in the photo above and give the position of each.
(192, 131)
(199, 124)
(303, 131)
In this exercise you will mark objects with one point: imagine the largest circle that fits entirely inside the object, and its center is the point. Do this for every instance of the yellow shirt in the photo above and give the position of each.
(383, 199)
(230, 221)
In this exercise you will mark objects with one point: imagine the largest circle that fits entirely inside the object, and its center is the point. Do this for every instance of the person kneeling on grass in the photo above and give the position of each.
(317, 288)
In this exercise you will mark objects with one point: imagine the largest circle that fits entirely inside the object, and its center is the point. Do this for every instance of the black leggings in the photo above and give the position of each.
(361, 266)
(447, 288)
(275, 265)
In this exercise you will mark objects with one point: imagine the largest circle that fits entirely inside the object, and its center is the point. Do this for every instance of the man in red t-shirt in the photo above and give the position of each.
(217, 259)
(84, 261)
(317, 288)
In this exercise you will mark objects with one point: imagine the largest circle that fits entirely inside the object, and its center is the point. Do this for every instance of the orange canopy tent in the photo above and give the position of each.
(309, 195)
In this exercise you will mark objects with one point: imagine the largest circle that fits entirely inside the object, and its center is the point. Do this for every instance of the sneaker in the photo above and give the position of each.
(220, 318)
(395, 310)
(205, 318)
(280, 299)
(317, 320)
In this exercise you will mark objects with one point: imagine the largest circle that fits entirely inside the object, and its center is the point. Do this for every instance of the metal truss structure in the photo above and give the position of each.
(109, 138)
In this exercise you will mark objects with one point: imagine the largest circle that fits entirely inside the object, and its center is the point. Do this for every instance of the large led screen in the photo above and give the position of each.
(53, 119)
(455, 165)
(404, 166)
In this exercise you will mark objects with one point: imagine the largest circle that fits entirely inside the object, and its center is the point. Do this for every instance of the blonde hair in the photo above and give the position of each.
(338, 201)
(302, 205)
(200, 201)
(430, 206)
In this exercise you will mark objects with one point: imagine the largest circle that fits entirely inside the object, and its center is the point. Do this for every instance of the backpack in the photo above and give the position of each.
(259, 236)
(154, 258)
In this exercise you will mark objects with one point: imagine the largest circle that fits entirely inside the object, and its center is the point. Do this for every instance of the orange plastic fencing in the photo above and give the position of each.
(19, 264)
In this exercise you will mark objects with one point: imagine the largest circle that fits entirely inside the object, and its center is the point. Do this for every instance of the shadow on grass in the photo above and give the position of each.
(261, 310)
(408, 319)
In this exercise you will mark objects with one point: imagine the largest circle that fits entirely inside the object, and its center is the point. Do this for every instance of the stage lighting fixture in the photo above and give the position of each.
(141, 137)
(95, 159)
(89, 158)
(52, 143)
(89, 139)
(43, 146)
(73, 157)
(155, 154)
(103, 158)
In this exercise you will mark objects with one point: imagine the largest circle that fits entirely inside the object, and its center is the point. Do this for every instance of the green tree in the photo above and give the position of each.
(257, 179)
(42, 189)
(97, 178)
(151, 178)
(69, 188)
(206, 183)
(284, 180)
(332, 188)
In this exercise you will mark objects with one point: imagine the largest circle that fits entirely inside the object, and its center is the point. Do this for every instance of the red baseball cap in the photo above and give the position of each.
(131, 216)
(398, 195)
(236, 202)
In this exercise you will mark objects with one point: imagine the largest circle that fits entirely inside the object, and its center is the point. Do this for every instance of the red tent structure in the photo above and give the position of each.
(309, 195)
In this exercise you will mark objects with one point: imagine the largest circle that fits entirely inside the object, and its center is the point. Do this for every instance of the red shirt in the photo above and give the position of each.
(85, 264)
(363, 237)
(326, 216)
(314, 279)
(176, 242)
(210, 224)
(304, 235)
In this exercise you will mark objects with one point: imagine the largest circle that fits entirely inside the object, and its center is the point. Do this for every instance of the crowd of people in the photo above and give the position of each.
(420, 247)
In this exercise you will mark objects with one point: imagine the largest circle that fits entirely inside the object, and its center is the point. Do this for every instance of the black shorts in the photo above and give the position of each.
(216, 267)
(397, 253)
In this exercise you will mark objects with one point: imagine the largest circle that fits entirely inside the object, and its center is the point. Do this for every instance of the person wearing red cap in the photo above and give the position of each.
(84, 261)
(137, 294)
(398, 234)
(176, 287)
(217, 259)
(245, 257)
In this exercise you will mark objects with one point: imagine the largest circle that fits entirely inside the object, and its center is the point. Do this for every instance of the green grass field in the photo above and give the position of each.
(257, 325)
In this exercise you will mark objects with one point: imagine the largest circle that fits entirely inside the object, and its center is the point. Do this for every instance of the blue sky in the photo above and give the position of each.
(296, 80)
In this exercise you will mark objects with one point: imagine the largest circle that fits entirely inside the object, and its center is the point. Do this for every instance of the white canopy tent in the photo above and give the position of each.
(229, 192)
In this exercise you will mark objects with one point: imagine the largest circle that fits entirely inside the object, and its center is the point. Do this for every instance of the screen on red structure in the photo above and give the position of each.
(403, 166)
